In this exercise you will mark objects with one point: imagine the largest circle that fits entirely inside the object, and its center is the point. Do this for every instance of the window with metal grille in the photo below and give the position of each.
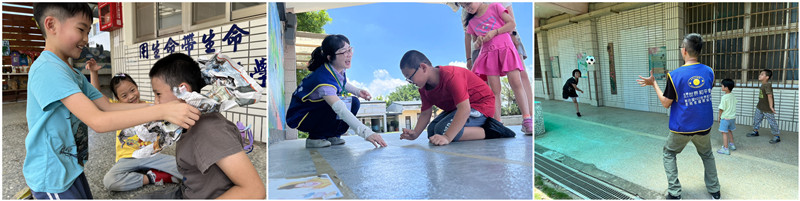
(159, 19)
(741, 39)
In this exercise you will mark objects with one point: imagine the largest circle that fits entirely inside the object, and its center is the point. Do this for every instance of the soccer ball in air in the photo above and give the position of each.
(590, 60)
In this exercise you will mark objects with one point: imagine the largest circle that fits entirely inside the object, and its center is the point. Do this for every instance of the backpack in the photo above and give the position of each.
(247, 135)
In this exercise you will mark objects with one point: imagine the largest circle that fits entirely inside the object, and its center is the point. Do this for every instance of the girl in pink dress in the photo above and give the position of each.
(489, 26)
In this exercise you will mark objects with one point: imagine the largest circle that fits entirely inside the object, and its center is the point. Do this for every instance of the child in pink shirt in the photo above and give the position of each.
(490, 26)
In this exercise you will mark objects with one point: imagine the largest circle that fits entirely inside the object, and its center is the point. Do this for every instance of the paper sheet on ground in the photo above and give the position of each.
(313, 187)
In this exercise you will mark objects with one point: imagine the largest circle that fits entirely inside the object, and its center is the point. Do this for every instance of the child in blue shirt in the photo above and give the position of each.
(60, 100)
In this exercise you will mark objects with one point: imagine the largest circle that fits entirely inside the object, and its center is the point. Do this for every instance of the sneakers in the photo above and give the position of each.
(671, 197)
(753, 134)
(527, 126)
(317, 143)
(715, 196)
(775, 139)
(723, 150)
(731, 146)
(336, 140)
(579, 114)
(158, 177)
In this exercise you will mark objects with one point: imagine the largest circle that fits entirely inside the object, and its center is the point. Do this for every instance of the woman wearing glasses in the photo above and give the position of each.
(323, 105)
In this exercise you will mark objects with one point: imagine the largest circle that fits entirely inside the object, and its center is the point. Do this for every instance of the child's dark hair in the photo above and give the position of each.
(768, 72)
(118, 79)
(412, 59)
(693, 43)
(576, 71)
(469, 15)
(60, 11)
(330, 44)
(728, 83)
(178, 68)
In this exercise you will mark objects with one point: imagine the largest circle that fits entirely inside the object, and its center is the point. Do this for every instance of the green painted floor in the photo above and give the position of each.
(628, 144)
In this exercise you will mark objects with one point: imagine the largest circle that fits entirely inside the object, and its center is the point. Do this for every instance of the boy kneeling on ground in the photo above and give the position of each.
(467, 101)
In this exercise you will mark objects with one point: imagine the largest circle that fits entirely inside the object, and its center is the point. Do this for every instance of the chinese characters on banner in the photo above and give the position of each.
(155, 50)
(260, 71)
(234, 37)
(208, 39)
(188, 43)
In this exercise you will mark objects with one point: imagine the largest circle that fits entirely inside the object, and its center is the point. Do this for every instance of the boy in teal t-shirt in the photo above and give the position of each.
(60, 100)
(727, 117)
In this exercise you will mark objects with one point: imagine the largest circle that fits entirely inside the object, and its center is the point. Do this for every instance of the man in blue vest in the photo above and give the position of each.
(688, 96)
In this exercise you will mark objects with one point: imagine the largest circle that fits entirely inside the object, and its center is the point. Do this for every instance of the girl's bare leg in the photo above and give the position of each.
(494, 84)
(520, 94)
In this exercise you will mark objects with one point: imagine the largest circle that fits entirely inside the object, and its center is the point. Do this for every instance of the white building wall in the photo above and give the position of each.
(632, 33)
(540, 86)
(566, 43)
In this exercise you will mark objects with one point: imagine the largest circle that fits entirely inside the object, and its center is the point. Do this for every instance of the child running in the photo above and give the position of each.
(568, 91)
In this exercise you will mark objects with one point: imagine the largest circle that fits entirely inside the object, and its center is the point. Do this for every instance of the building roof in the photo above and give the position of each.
(404, 103)
(372, 101)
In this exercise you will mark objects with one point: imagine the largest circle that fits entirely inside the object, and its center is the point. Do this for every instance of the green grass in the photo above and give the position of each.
(550, 192)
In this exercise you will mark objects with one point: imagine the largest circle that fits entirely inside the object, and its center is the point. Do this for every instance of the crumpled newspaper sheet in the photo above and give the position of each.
(228, 86)
(228, 83)
(160, 133)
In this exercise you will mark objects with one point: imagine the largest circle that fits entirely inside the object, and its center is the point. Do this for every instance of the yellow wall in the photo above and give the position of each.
(413, 114)
(407, 113)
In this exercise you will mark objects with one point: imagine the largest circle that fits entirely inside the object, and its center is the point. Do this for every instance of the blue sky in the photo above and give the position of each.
(381, 33)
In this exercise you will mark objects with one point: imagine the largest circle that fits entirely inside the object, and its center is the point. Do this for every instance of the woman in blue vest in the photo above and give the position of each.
(323, 105)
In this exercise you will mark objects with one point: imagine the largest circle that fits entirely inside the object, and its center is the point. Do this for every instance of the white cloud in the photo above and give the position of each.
(381, 84)
(356, 83)
(380, 74)
(458, 63)
(384, 86)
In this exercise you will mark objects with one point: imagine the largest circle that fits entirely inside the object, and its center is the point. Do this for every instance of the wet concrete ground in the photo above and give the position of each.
(481, 169)
(101, 158)
(627, 145)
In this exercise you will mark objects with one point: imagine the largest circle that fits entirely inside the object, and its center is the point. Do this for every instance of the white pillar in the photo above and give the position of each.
(385, 129)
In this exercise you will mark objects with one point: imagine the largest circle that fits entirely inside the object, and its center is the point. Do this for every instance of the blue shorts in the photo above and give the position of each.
(78, 190)
(441, 123)
(726, 125)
